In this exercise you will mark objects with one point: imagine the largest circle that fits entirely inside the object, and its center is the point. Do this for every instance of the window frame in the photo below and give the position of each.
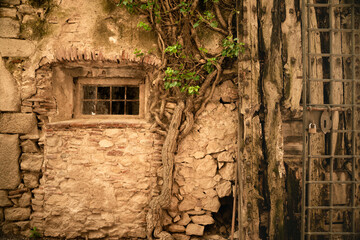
(119, 82)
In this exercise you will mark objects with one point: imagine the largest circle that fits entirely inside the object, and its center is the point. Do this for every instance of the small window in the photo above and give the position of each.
(109, 97)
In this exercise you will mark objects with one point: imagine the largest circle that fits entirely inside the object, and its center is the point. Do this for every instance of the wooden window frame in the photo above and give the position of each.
(118, 82)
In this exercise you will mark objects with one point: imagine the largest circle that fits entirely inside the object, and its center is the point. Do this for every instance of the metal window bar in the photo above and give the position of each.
(306, 220)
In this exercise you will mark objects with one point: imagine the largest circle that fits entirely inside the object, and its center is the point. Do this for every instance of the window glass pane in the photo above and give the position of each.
(132, 93)
(132, 108)
(89, 92)
(89, 108)
(103, 107)
(118, 93)
(118, 108)
(103, 92)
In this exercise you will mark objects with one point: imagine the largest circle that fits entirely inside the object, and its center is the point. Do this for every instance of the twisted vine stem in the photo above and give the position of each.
(189, 72)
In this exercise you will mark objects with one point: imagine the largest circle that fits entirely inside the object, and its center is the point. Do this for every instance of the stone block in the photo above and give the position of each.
(23, 225)
(17, 214)
(26, 9)
(31, 162)
(203, 219)
(9, 28)
(31, 180)
(195, 229)
(10, 227)
(24, 200)
(10, 2)
(16, 47)
(4, 200)
(22, 123)
(10, 97)
(9, 166)
(8, 12)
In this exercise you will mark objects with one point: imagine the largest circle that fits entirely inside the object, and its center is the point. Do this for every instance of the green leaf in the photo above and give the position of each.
(196, 24)
(144, 26)
(214, 24)
(204, 50)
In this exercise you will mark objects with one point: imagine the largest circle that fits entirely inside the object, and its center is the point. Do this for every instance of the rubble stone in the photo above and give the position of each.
(4, 200)
(29, 146)
(179, 236)
(9, 166)
(31, 162)
(184, 220)
(176, 228)
(228, 171)
(223, 189)
(202, 219)
(211, 203)
(17, 214)
(225, 156)
(31, 180)
(187, 204)
(22, 123)
(25, 199)
(206, 167)
(214, 147)
(195, 229)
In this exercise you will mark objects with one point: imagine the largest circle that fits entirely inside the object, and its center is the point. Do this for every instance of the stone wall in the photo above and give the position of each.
(95, 178)
(205, 167)
(98, 180)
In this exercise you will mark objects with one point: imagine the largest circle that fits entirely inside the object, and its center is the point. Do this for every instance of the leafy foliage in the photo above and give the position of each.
(182, 78)
(144, 26)
(34, 233)
(138, 52)
(232, 47)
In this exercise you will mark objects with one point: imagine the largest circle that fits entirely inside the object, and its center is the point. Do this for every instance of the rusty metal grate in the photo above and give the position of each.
(331, 103)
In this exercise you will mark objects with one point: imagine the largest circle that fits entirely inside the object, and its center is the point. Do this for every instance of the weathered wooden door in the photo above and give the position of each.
(331, 101)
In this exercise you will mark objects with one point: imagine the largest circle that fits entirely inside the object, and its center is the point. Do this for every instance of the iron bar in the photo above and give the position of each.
(334, 80)
(331, 181)
(335, 156)
(331, 30)
(353, 116)
(332, 233)
(333, 207)
(334, 4)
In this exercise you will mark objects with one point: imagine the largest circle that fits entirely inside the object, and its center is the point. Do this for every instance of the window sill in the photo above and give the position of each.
(99, 123)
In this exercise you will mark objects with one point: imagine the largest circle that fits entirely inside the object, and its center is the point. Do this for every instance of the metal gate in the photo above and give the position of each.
(331, 86)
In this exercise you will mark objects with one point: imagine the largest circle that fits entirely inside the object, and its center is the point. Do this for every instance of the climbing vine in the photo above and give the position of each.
(187, 76)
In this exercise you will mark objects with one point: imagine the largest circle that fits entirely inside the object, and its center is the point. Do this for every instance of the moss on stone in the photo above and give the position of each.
(108, 6)
(102, 33)
(40, 3)
(35, 29)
